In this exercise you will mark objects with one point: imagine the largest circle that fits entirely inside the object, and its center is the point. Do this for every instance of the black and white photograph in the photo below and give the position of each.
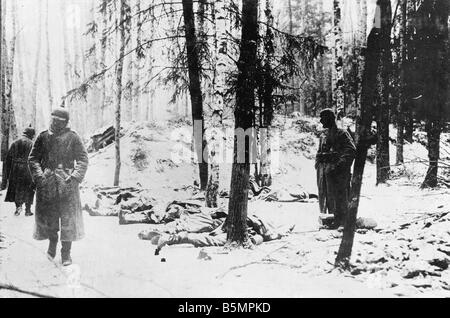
(201, 151)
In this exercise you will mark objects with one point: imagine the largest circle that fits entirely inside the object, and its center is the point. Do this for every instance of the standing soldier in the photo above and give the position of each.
(58, 164)
(333, 163)
(20, 185)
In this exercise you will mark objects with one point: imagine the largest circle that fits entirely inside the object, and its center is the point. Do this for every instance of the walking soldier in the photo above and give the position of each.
(58, 163)
(20, 185)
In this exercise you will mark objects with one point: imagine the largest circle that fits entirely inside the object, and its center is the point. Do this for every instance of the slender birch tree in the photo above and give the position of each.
(123, 29)
(338, 62)
(34, 90)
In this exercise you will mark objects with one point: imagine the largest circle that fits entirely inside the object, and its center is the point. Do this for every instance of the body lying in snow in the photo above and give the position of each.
(203, 230)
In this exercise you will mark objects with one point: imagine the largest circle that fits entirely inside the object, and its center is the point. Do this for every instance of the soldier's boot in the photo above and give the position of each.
(52, 244)
(165, 239)
(66, 259)
(18, 209)
(28, 210)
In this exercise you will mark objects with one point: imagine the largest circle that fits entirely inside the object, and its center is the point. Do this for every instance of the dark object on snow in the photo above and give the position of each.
(63, 149)
(333, 162)
(20, 184)
(102, 138)
(204, 255)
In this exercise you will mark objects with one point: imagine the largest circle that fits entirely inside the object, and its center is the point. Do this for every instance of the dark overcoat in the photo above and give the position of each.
(50, 151)
(333, 171)
(20, 185)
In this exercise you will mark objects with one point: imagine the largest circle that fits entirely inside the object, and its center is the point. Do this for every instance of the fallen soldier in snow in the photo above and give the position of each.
(137, 206)
(207, 229)
(294, 193)
(108, 201)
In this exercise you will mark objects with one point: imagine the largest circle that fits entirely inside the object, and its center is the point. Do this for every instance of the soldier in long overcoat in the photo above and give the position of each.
(20, 185)
(58, 163)
(333, 163)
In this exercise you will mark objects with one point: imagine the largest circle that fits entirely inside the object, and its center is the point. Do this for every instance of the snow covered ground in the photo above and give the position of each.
(407, 255)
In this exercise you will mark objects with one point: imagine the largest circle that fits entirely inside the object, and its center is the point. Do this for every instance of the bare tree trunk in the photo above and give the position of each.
(22, 100)
(410, 48)
(301, 107)
(338, 62)
(10, 77)
(76, 80)
(48, 53)
(92, 110)
(34, 90)
(4, 109)
(129, 89)
(409, 127)
(84, 63)
(195, 89)
(138, 65)
(383, 160)
(8, 125)
(266, 176)
(363, 125)
(401, 98)
(433, 130)
(67, 57)
(222, 66)
(436, 87)
(104, 44)
(362, 21)
(361, 43)
(119, 80)
(236, 223)
(148, 107)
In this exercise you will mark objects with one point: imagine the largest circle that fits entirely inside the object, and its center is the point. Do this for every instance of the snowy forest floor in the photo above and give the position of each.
(407, 255)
